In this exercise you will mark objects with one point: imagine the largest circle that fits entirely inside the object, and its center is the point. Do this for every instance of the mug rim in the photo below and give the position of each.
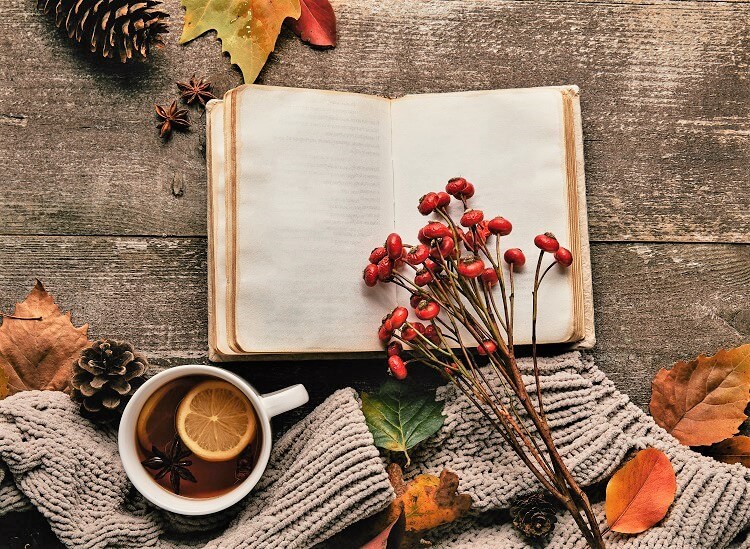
(144, 482)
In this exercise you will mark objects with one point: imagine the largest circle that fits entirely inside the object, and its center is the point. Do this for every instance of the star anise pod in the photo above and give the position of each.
(171, 462)
(172, 118)
(196, 90)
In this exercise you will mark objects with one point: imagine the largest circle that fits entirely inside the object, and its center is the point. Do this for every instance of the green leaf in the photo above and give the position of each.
(401, 416)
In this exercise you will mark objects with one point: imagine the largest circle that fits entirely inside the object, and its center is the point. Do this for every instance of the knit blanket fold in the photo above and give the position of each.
(325, 474)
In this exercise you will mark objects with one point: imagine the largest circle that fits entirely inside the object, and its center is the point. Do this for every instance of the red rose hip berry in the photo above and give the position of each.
(489, 276)
(377, 254)
(443, 199)
(427, 310)
(514, 256)
(395, 348)
(428, 203)
(466, 193)
(394, 246)
(398, 317)
(487, 347)
(500, 225)
(423, 277)
(472, 217)
(546, 242)
(397, 367)
(370, 275)
(385, 269)
(417, 254)
(564, 257)
(456, 185)
(470, 266)
(435, 230)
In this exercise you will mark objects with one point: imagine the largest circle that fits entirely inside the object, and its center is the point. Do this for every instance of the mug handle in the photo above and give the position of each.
(284, 400)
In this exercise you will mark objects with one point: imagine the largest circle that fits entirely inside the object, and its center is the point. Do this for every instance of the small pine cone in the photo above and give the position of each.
(117, 29)
(534, 516)
(104, 378)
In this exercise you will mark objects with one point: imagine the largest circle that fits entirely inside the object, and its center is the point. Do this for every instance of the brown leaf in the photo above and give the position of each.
(430, 501)
(732, 450)
(640, 492)
(38, 354)
(3, 384)
(702, 402)
(316, 24)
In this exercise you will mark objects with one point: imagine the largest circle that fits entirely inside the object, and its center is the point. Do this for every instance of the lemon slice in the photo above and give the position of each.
(216, 421)
(162, 404)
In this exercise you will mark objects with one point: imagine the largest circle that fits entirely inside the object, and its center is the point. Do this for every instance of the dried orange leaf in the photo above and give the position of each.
(732, 450)
(702, 402)
(640, 492)
(430, 501)
(247, 28)
(38, 354)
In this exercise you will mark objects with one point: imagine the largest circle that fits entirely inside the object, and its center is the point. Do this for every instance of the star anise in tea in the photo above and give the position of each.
(172, 118)
(196, 90)
(172, 461)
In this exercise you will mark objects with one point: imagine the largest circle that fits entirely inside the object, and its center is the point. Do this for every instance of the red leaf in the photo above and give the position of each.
(317, 23)
(640, 492)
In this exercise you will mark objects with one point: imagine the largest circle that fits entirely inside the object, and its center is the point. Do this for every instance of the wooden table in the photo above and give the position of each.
(114, 222)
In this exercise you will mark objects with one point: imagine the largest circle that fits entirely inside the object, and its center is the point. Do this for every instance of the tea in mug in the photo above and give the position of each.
(198, 436)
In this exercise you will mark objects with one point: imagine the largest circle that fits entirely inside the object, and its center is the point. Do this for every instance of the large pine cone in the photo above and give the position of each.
(104, 378)
(117, 29)
(534, 516)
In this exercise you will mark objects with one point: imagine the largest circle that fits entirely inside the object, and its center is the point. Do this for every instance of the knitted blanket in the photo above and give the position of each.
(325, 474)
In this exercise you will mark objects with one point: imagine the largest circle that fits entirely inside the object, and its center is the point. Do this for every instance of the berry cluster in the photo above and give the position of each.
(451, 263)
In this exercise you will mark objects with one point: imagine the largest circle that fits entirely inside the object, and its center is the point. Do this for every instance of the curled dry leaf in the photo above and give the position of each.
(640, 492)
(38, 354)
(430, 501)
(732, 450)
(316, 24)
(247, 28)
(702, 402)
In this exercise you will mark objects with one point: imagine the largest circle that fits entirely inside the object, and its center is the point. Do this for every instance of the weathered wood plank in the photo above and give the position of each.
(665, 102)
(655, 304)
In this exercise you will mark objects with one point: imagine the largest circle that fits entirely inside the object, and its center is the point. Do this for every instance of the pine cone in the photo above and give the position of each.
(123, 29)
(534, 516)
(104, 377)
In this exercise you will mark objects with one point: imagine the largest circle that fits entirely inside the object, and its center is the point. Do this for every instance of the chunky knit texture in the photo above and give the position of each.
(325, 474)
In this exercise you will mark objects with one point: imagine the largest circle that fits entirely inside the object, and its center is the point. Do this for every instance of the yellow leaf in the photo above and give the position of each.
(640, 492)
(247, 28)
(39, 354)
(430, 501)
(703, 401)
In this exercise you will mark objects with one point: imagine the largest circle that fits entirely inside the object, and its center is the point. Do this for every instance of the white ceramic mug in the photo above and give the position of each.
(266, 406)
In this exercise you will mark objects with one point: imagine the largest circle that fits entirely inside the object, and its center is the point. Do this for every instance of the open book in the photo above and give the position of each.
(304, 183)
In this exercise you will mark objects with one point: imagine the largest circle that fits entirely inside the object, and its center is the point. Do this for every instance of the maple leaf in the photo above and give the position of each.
(732, 450)
(640, 492)
(316, 24)
(247, 28)
(38, 354)
(702, 402)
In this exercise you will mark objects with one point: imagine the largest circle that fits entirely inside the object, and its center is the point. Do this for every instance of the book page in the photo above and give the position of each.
(217, 276)
(314, 195)
(510, 145)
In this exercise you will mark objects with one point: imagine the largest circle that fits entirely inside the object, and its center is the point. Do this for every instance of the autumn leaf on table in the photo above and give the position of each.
(703, 401)
(316, 24)
(640, 492)
(732, 450)
(247, 28)
(38, 354)
(400, 416)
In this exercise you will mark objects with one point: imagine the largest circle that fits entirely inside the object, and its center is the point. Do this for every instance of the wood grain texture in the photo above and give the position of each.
(665, 107)
(655, 304)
